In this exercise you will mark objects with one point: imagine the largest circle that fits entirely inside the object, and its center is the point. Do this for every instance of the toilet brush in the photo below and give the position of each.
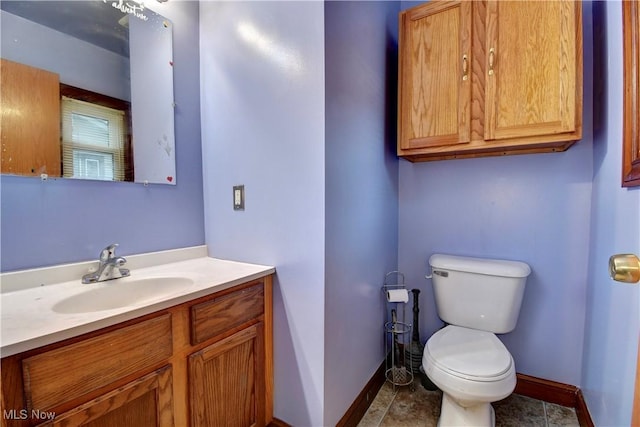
(398, 370)
(413, 352)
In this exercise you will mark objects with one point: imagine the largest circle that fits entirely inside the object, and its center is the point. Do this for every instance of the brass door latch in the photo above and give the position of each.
(624, 268)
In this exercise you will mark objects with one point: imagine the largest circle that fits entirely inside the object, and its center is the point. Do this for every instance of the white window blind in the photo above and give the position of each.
(93, 141)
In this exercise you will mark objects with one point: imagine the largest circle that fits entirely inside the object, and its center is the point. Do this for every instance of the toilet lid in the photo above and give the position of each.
(469, 353)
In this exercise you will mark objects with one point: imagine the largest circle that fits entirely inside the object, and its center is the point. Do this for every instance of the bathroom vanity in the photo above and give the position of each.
(202, 357)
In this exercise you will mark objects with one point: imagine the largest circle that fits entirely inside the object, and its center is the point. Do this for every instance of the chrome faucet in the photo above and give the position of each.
(110, 266)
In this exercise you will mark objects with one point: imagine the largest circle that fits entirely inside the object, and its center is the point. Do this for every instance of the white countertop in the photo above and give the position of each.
(28, 319)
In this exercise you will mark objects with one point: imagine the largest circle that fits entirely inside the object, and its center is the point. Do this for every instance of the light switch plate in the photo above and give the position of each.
(238, 197)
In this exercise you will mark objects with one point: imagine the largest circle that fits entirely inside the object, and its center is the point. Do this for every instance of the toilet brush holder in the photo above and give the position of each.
(397, 371)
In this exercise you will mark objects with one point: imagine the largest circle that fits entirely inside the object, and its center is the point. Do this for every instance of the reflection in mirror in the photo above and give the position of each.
(87, 91)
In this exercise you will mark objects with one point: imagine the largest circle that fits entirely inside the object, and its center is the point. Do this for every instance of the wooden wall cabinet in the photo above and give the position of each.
(485, 78)
(631, 130)
(30, 121)
(203, 363)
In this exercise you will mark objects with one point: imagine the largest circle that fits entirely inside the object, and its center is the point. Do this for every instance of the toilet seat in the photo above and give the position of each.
(469, 354)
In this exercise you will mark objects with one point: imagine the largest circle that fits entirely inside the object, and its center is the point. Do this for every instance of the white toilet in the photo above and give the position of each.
(477, 298)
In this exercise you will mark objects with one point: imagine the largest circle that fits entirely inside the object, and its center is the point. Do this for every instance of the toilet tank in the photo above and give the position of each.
(478, 293)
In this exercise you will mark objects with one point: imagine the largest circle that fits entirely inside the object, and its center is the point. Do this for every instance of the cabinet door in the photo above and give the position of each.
(226, 381)
(30, 123)
(434, 85)
(532, 79)
(146, 402)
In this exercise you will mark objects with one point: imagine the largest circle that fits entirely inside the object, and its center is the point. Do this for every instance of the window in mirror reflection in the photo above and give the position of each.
(95, 136)
(92, 141)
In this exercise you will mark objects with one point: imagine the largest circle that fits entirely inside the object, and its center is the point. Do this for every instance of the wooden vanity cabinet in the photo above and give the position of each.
(202, 363)
(485, 78)
(226, 384)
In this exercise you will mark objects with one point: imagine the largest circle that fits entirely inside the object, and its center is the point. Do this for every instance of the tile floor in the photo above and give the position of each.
(403, 407)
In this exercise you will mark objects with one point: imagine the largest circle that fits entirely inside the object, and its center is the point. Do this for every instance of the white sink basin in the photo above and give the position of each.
(120, 293)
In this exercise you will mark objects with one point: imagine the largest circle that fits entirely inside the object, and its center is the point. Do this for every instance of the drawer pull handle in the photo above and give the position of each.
(465, 68)
(492, 55)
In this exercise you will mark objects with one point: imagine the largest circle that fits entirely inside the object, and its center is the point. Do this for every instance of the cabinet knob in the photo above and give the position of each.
(492, 55)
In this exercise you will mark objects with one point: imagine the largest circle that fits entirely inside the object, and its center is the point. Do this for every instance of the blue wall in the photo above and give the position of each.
(361, 208)
(613, 309)
(263, 125)
(533, 208)
(62, 220)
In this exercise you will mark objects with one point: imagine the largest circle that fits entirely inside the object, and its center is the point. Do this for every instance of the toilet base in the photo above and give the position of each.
(452, 414)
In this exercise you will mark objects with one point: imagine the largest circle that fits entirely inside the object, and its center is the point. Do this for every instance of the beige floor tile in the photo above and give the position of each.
(413, 407)
(560, 415)
(379, 406)
(417, 407)
(519, 411)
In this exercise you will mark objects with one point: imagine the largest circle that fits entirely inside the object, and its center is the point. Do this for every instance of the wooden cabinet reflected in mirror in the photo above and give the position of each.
(631, 129)
(30, 142)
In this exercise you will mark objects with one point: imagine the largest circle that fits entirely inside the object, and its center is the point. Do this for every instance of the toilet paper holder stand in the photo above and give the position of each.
(395, 289)
(398, 284)
(397, 334)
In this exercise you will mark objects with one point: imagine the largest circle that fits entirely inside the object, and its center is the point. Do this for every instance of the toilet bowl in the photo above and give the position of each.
(477, 298)
(472, 368)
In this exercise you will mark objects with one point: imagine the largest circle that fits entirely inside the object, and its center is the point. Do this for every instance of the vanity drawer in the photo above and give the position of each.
(63, 374)
(219, 315)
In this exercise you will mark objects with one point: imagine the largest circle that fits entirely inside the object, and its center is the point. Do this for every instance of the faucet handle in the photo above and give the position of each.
(108, 252)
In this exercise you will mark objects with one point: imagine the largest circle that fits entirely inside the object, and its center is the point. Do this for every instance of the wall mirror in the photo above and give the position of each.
(87, 90)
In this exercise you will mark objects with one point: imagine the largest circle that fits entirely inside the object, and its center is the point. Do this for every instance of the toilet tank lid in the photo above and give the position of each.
(492, 267)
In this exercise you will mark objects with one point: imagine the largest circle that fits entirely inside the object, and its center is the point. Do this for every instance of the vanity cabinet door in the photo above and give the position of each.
(145, 402)
(227, 382)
